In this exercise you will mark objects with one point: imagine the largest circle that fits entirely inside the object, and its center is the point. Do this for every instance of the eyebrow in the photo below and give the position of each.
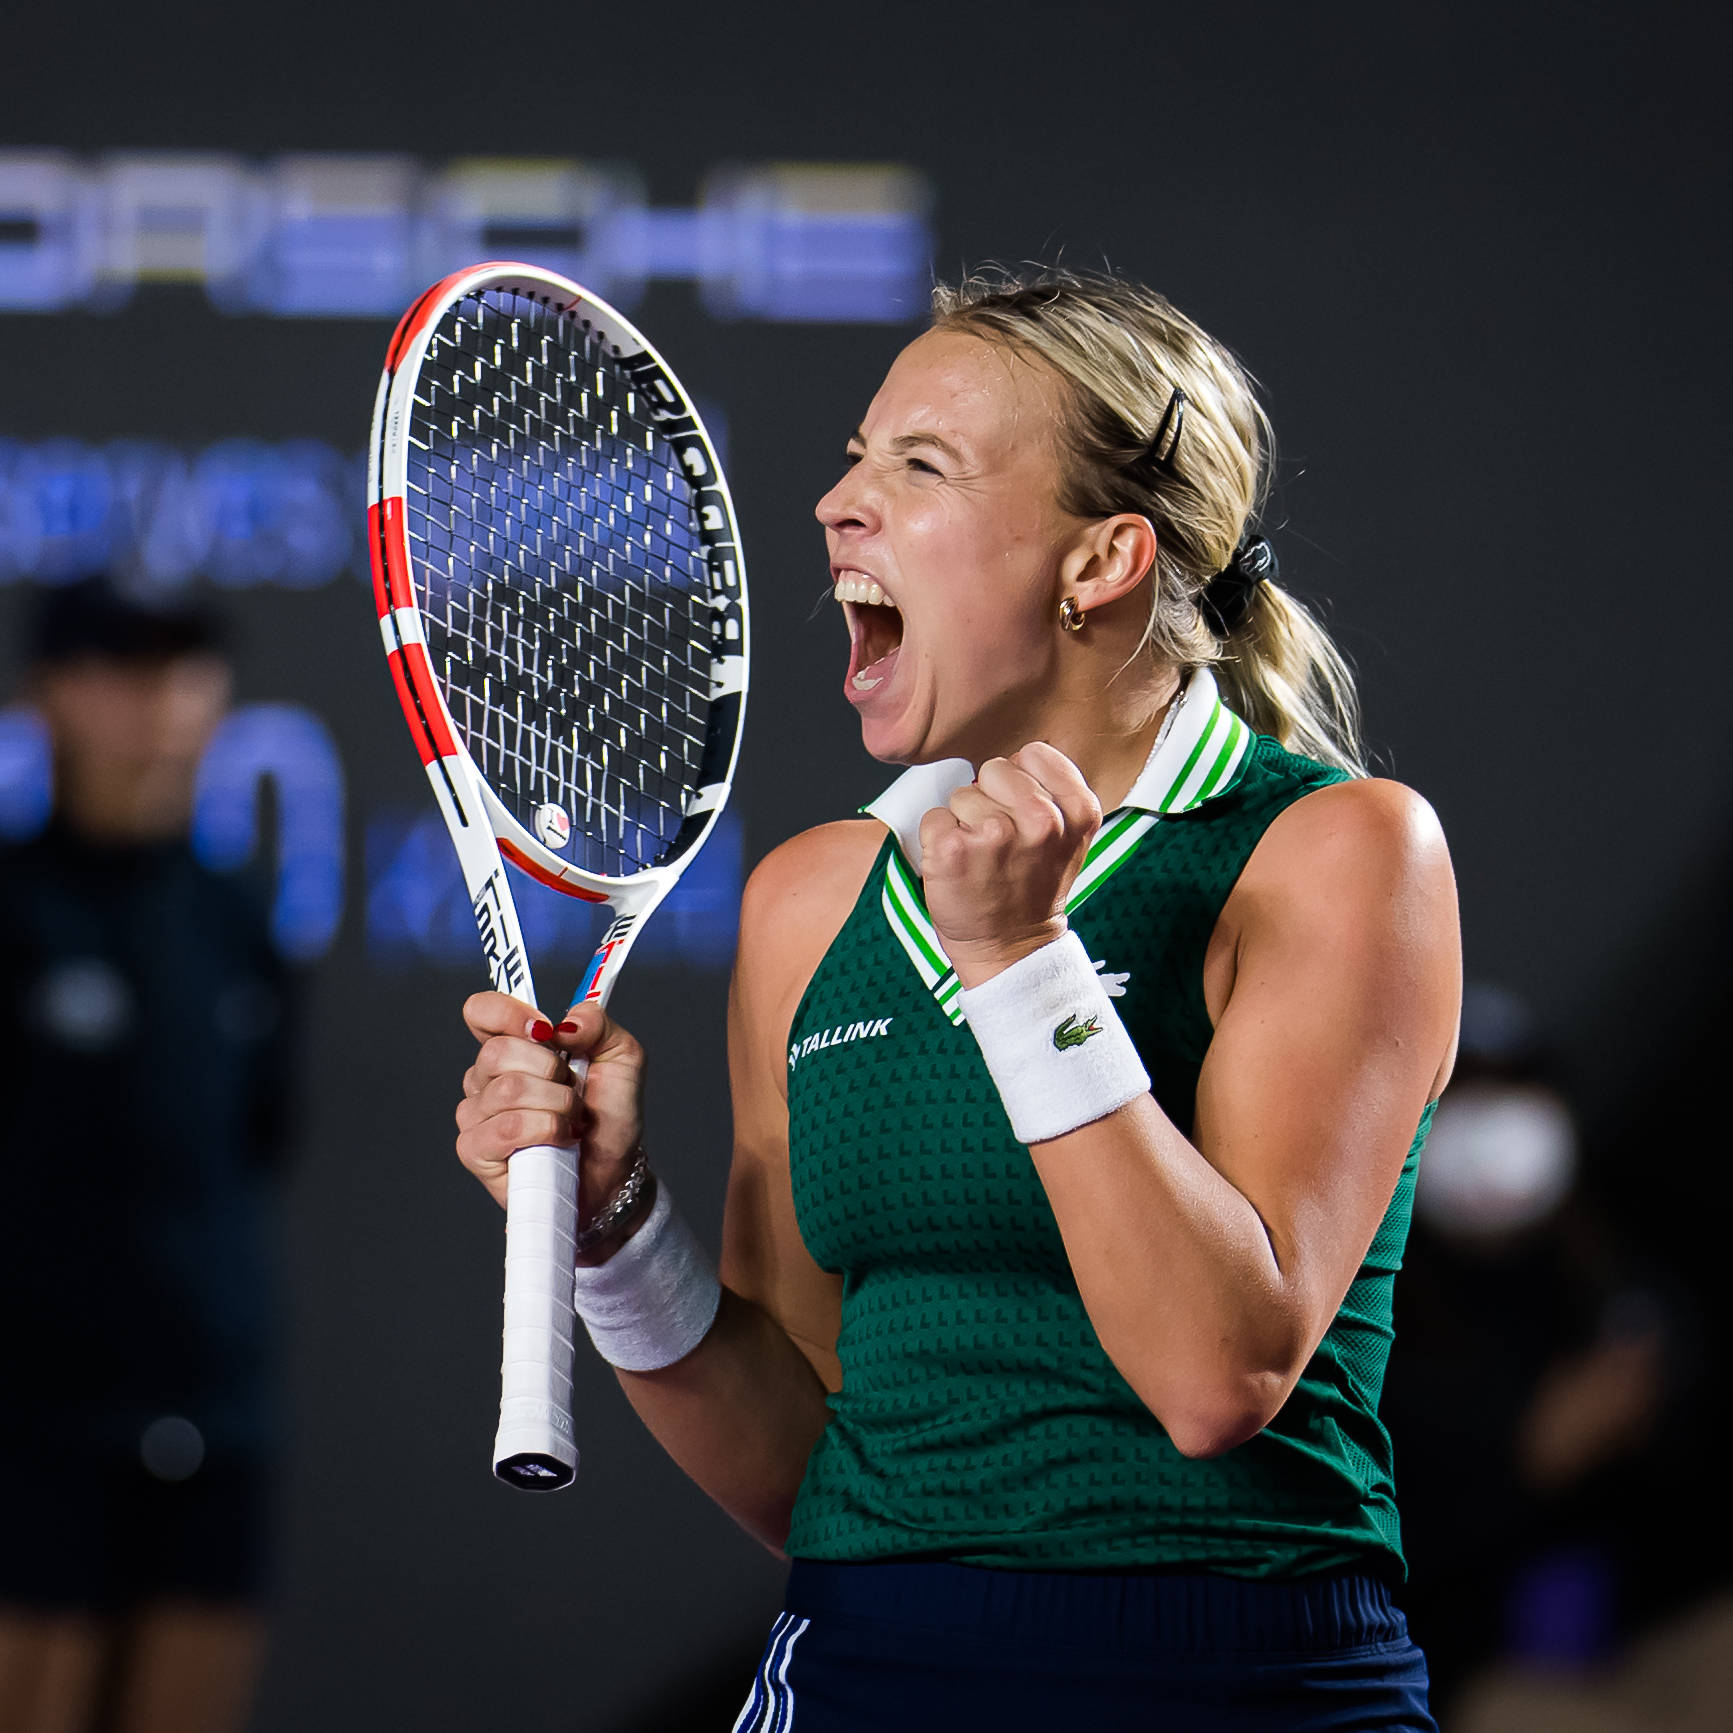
(907, 441)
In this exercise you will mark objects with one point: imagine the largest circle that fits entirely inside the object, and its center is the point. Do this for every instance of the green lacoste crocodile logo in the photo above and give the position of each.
(1071, 1033)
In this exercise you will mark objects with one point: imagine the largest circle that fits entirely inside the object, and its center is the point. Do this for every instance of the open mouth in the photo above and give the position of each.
(875, 629)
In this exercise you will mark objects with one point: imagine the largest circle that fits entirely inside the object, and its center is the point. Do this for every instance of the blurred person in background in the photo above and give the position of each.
(136, 1363)
(1543, 1388)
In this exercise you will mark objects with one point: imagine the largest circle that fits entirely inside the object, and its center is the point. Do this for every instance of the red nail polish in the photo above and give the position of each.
(568, 1027)
(541, 1030)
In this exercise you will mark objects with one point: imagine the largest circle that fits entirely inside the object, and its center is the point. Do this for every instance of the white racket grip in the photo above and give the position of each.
(535, 1445)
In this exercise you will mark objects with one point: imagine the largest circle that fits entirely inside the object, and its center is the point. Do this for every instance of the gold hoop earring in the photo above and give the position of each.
(1071, 617)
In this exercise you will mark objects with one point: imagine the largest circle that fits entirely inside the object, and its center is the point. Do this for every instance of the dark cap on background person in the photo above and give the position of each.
(95, 617)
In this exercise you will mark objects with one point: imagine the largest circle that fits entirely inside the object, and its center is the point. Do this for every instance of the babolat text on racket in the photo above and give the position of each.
(563, 604)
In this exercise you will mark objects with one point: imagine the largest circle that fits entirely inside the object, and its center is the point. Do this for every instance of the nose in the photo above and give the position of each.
(849, 504)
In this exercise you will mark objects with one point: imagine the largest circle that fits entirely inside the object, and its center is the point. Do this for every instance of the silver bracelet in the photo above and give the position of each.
(617, 1208)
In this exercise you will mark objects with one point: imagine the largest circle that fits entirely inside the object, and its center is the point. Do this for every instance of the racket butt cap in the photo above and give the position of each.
(533, 1471)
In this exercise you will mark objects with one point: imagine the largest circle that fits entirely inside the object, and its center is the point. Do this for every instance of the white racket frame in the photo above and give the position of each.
(536, 1446)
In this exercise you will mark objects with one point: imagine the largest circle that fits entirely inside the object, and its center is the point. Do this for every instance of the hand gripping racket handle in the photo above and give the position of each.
(535, 1447)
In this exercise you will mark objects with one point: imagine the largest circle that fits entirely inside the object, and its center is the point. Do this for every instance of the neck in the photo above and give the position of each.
(1106, 727)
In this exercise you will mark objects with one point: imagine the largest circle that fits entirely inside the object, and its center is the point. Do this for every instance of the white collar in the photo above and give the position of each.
(1200, 748)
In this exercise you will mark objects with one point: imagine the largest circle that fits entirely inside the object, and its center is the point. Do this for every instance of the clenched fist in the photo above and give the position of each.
(998, 861)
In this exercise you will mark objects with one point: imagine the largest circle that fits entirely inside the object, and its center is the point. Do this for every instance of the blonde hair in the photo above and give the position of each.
(1121, 351)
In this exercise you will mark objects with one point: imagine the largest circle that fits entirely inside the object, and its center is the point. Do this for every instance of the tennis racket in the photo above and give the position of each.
(563, 605)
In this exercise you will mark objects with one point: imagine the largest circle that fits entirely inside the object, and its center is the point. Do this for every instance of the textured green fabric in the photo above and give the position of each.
(979, 1419)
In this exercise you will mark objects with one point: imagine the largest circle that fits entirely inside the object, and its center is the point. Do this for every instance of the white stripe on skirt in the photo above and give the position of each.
(770, 1708)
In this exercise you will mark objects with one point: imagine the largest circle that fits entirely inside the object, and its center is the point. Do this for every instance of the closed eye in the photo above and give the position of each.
(851, 457)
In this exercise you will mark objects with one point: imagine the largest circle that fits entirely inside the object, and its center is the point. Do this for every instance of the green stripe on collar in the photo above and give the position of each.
(1196, 757)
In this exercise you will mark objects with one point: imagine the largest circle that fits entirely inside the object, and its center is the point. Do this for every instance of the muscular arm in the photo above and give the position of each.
(1212, 1266)
(742, 1413)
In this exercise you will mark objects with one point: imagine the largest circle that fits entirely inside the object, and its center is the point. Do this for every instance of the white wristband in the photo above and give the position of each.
(654, 1300)
(1053, 1042)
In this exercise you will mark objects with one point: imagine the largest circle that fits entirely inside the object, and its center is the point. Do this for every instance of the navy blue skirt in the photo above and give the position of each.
(912, 1647)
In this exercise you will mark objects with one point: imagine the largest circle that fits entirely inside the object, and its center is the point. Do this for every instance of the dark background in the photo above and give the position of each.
(1478, 258)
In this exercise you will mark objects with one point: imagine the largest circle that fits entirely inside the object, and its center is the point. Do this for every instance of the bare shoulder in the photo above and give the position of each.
(1350, 890)
(1353, 870)
(1370, 836)
(819, 865)
(798, 897)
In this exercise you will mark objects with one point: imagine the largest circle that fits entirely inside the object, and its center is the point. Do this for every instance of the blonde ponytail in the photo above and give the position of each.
(1280, 670)
(1124, 352)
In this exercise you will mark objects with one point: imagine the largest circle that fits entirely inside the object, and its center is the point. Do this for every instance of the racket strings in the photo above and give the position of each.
(563, 578)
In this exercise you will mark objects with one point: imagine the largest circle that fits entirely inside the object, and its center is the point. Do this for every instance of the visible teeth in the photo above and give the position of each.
(858, 589)
(863, 684)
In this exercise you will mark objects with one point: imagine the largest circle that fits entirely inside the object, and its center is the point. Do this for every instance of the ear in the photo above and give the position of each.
(1109, 559)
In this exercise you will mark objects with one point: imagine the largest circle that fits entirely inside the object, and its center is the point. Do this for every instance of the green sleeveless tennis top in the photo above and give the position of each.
(979, 1420)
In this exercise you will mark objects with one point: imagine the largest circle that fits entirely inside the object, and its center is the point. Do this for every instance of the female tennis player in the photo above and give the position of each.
(1073, 1155)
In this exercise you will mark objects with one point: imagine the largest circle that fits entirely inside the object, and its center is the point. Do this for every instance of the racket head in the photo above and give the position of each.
(558, 577)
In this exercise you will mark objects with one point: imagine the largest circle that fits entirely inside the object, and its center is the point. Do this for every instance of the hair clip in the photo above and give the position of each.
(1174, 416)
